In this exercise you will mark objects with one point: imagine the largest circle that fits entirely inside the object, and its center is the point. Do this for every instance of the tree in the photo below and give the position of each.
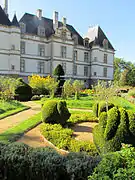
(105, 91)
(77, 85)
(51, 85)
(58, 75)
(68, 89)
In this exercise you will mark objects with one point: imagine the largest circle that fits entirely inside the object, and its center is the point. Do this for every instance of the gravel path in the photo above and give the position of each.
(19, 117)
(83, 131)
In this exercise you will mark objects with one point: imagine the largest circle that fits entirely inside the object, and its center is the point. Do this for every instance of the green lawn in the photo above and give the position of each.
(121, 102)
(82, 103)
(10, 108)
(16, 132)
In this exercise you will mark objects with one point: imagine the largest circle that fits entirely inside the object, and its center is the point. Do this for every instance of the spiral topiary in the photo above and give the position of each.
(115, 127)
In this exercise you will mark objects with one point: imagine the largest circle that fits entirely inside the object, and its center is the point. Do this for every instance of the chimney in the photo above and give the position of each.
(39, 13)
(64, 21)
(6, 7)
(55, 20)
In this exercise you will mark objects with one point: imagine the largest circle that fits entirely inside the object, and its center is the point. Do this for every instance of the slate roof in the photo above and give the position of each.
(4, 18)
(15, 21)
(32, 22)
(97, 36)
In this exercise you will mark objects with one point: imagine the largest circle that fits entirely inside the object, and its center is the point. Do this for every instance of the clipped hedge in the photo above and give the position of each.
(62, 138)
(55, 112)
(114, 128)
(18, 161)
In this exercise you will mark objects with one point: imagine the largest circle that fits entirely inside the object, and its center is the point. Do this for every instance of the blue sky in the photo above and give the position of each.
(115, 17)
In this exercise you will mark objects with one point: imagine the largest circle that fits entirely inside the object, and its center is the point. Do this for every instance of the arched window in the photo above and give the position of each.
(105, 44)
(23, 27)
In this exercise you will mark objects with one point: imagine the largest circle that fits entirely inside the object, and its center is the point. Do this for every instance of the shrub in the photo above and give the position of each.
(55, 112)
(131, 116)
(95, 109)
(62, 138)
(46, 165)
(82, 117)
(58, 73)
(80, 166)
(131, 92)
(118, 165)
(117, 129)
(83, 146)
(18, 161)
(23, 92)
(103, 120)
(113, 121)
(38, 85)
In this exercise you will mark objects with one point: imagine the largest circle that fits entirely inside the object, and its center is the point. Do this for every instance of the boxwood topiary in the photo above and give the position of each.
(95, 109)
(118, 128)
(23, 92)
(55, 112)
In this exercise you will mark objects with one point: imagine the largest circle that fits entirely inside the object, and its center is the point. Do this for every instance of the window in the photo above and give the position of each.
(75, 69)
(22, 65)
(75, 55)
(41, 49)
(86, 43)
(105, 44)
(85, 70)
(23, 27)
(95, 59)
(41, 31)
(22, 47)
(12, 67)
(63, 51)
(95, 73)
(64, 66)
(105, 72)
(75, 38)
(41, 67)
(13, 47)
(86, 56)
(105, 58)
(63, 34)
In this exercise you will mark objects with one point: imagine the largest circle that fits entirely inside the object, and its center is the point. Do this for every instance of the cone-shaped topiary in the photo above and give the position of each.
(23, 92)
(55, 112)
(115, 127)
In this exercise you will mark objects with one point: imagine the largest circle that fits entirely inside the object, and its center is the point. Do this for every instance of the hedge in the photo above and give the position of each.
(18, 161)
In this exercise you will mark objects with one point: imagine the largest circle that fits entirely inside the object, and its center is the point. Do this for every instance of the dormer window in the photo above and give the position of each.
(105, 44)
(23, 27)
(63, 34)
(86, 42)
(41, 31)
(75, 38)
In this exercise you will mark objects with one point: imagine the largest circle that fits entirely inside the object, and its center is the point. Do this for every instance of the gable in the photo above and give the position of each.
(4, 20)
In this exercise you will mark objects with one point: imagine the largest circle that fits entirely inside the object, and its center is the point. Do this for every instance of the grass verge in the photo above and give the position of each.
(13, 112)
(16, 132)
